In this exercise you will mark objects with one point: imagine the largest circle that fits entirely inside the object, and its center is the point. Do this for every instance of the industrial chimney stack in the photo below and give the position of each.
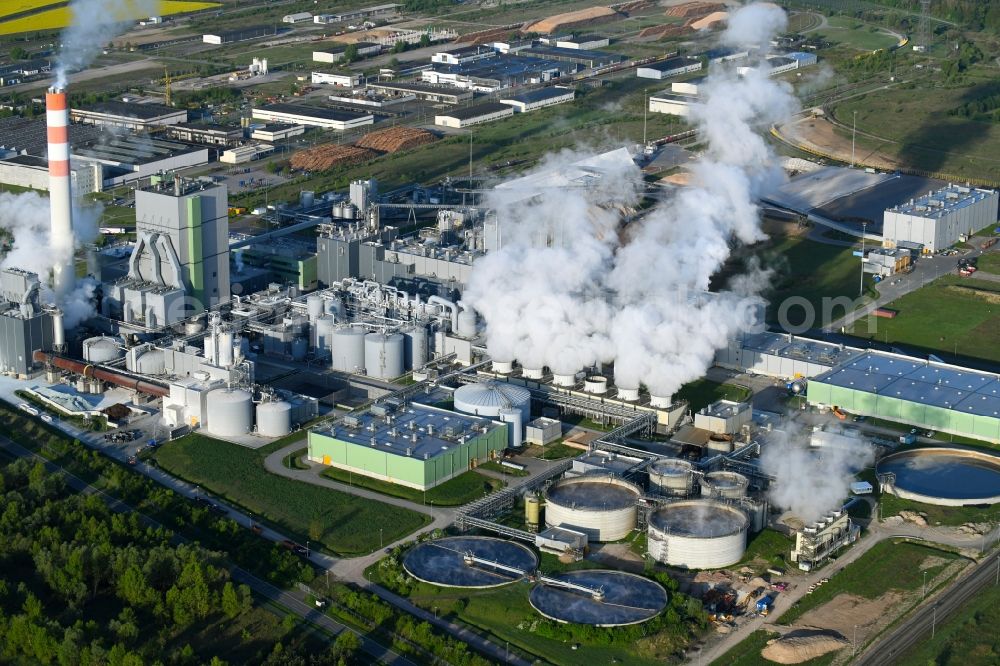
(60, 198)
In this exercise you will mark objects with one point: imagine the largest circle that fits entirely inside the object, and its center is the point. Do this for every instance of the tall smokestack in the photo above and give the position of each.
(60, 197)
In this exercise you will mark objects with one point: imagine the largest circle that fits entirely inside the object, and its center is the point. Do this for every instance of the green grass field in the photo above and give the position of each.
(344, 524)
(944, 515)
(454, 492)
(704, 392)
(990, 263)
(887, 566)
(968, 638)
(769, 548)
(855, 34)
(747, 653)
(500, 469)
(950, 315)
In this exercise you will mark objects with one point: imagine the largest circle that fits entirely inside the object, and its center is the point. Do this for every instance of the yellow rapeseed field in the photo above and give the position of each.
(55, 19)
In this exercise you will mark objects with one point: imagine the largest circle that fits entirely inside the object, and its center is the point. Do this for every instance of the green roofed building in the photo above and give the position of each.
(416, 446)
(908, 390)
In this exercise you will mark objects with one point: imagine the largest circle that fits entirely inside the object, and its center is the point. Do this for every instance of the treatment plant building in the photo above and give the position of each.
(908, 390)
(416, 446)
(939, 219)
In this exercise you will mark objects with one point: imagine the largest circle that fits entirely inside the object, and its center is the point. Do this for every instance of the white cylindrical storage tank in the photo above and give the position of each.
(515, 426)
(564, 379)
(533, 373)
(230, 412)
(672, 477)
(150, 363)
(209, 343)
(503, 367)
(415, 353)
(724, 485)
(314, 306)
(490, 398)
(58, 330)
(101, 349)
(299, 349)
(719, 443)
(467, 323)
(324, 328)
(697, 534)
(225, 351)
(602, 507)
(628, 394)
(595, 384)
(384, 355)
(659, 401)
(274, 419)
(347, 348)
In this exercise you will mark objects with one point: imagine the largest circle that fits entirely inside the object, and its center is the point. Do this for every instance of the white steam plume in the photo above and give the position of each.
(812, 480)
(754, 25)
(93, 23)
(26, 217)
(571, 287)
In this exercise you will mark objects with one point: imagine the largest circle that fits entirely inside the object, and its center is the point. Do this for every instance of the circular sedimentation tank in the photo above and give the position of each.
(602, 507)
(672, 477)
(447, 562)
(697, 534)
(943, 476)
(724, 485)
(599, 598)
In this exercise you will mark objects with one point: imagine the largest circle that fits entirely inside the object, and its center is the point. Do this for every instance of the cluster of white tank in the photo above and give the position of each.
(697, 534)
(102, 349)
(594, 384)
(231, 413)
(602, 507)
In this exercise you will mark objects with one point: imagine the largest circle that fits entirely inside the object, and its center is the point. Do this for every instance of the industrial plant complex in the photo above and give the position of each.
(347, 282)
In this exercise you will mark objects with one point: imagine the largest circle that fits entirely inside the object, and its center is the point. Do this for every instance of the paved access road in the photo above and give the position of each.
(380, 653)
(921, 625)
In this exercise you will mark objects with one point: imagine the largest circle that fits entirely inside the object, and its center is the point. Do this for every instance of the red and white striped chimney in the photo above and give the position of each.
(60, 197)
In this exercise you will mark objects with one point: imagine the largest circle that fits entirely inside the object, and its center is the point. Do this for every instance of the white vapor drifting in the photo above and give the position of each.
(571, 287)
(812, 480)
(26, 217)
(93, 23)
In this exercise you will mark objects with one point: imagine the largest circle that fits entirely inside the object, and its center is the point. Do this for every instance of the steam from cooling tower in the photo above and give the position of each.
(93, 23)
(812, 480)
(570, 288)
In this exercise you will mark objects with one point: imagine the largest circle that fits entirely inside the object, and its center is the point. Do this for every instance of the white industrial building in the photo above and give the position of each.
(276, 132)
(939, 219)
(247, 153)
(336, 53)
(129, 115)
(339, 79)
(667, 68)
(538, 99)
(312, 116)
(298, 17)
(33, 173)
(779, 64)
(474, 115)
(782, 355)
(582, 42)
(673, 103)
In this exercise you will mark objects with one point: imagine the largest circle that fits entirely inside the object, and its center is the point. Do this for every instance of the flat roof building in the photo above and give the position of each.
(129, 115)
(464, 55)
(213, 135)
(240, 35)
(940, 219)
(336, 53)
(313, 116)
(389, 9)
(128, 158)
(537, 99)
(33, 173)
(495, 74)
(474, 115)
(416, 446)
(298, 17)
(276, 132)
(667, 68)
(422, 91)
(903, 389)
(584, 58)
(338, 79)
(783, 355)
(584, 42)
(673, 103)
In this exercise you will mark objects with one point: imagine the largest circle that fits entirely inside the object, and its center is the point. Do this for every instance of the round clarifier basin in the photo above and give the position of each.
(469, 561)
(944, 476)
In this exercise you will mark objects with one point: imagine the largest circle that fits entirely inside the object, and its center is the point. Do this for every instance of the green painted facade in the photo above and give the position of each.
(407, 471)
(196, 269)
(952, 421)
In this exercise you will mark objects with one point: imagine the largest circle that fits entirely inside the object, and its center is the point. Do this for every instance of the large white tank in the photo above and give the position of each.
(515, 426)
(150, 363)
(660, 401)
(209, 343)
(225, 350)
(697, 534)
(384, 355)
(629, 394)
(230, 412)
(274, 419)
(503, 367)
(671, 477)
(595, 384)
(314, 306)
(101, 349)
(532, 372)
(324, 328)
(415, 350)
(602, 507)
(489, 398)
(347, 348)
(566, 379)
(724, 485)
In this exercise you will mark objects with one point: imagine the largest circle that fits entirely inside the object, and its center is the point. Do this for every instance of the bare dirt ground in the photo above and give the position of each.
(619, 556)
(844, 611)
(819, 135)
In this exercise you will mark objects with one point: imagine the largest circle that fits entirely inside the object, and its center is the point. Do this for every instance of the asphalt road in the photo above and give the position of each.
(921, 625)
(380, 653)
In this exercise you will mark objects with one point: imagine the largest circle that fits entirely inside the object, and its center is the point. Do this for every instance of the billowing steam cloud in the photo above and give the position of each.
(571, 287)
(26, 217)
(812, 480)
(93, 24)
